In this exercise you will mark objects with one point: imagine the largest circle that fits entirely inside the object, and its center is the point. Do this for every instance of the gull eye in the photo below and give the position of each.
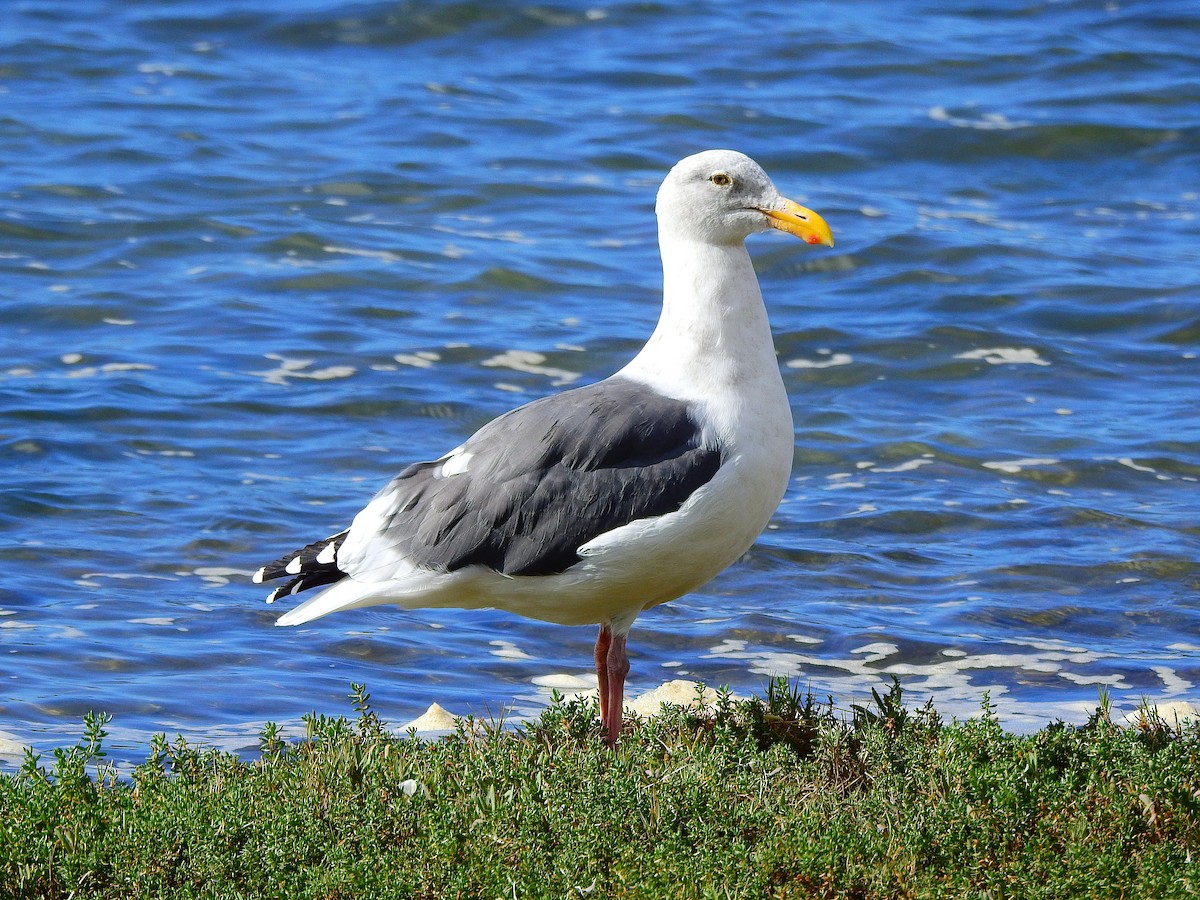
(720, 179)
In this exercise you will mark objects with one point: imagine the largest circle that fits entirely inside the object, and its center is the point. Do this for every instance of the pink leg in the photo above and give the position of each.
(603, 641)
(617, 668)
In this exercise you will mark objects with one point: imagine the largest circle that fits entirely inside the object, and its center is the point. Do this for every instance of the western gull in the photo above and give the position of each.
(592, 505)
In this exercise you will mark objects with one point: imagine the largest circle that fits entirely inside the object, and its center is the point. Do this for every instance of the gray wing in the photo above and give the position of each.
(534, 485)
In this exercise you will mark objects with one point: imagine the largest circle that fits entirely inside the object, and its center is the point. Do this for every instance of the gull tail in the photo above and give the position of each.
(310, 567)
(347, 594)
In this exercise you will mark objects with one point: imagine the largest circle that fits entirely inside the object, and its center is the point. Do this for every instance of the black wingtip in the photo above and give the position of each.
(309, 567)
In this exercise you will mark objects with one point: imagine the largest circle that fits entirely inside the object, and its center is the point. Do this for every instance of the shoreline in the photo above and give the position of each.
(241, 738)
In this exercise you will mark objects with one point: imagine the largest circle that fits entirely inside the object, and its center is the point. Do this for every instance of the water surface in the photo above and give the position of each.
(253, 262)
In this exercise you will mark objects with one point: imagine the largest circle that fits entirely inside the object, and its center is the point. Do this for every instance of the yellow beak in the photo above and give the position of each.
(800, 221)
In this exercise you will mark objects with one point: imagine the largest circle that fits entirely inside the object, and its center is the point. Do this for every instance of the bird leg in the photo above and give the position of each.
(618, 668)
(612, 665)
(603, 642)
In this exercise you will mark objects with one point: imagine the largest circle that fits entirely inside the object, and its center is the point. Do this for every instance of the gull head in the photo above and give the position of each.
(723, 197)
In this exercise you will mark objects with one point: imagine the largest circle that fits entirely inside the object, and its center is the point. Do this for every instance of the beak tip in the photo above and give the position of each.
(800, 221)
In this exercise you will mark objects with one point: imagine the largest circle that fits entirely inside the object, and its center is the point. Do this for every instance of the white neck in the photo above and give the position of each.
(713, 336)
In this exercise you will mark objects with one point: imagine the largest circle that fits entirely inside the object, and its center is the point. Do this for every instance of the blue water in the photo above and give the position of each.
(253, 262)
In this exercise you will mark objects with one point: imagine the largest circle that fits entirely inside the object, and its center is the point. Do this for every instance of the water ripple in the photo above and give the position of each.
(255, 260)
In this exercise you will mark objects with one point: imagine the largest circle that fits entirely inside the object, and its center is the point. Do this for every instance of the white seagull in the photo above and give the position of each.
(590, 506)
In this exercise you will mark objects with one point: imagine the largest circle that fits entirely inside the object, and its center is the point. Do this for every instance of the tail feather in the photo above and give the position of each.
(310, 567)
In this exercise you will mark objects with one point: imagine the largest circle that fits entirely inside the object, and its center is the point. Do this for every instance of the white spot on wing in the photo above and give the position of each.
(293, 566)
(328, 554)
(257, 577)
(455, 464)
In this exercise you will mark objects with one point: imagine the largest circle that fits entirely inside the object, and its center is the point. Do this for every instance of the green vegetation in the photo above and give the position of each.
(774, 797)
